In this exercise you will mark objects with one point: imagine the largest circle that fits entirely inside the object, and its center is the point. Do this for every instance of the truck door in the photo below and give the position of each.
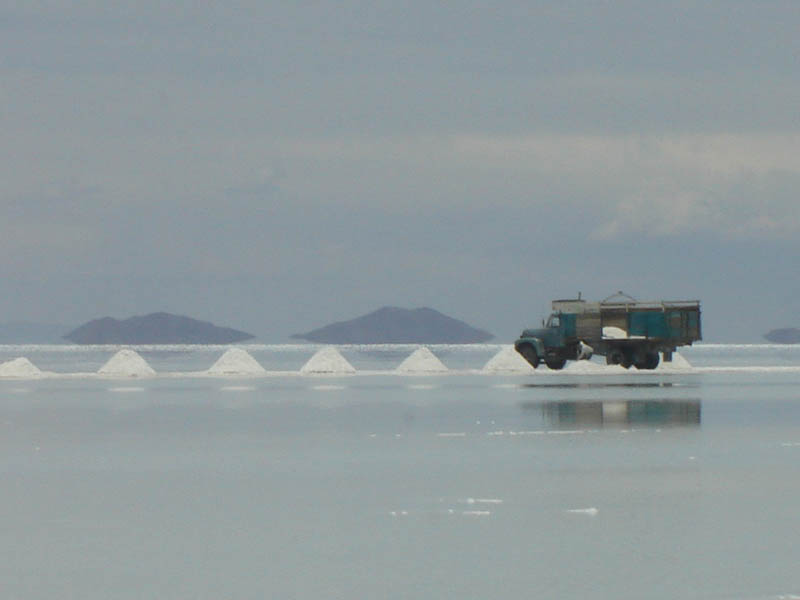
(555, 332)
(568, 326)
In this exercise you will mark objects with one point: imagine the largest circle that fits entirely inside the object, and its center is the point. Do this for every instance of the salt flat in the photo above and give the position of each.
(549, 481)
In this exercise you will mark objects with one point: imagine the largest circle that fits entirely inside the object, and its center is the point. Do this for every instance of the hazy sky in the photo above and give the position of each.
(274, 166)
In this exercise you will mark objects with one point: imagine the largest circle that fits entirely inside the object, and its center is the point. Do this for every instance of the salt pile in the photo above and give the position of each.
(19, 367)
(508, 360)
(236, 361)
(327, 360)
(614, 333)
(127, 363)
(421, 360)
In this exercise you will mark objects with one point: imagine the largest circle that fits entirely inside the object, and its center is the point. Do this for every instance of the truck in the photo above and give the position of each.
(628, 332)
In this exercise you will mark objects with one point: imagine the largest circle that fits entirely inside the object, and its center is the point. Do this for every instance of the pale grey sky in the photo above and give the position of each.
(277, 166)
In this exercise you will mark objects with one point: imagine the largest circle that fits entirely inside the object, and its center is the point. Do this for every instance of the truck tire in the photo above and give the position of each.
(615, 357)
(555, 363)
(622, 357)
(528, 352)
(627, 360)
(650, 361)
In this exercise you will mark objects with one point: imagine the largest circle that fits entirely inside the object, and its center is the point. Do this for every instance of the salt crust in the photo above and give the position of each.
(327, 360)
(127, 363)
(236, 361)
(508, 360)
(19, 367)
(591, 511)
(590, 367)
(422, 360)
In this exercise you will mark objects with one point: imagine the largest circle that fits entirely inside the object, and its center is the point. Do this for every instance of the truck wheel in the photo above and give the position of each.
(617, 357)
(627, 358)
(528, 352)
(555, 363)
(650, 361)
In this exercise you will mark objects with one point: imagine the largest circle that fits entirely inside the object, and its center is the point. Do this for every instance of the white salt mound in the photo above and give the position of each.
(327, 360)
(19, 367)
(508, 360)
(236, 361)
(421, 360)
(127, 363)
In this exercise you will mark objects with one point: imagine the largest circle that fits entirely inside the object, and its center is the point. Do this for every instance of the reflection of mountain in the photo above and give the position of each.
(655, 413)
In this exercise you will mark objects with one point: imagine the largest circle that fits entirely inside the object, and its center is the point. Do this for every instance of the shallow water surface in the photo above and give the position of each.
(470, 486)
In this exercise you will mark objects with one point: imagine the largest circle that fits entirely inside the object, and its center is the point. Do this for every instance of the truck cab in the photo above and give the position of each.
(555, 342)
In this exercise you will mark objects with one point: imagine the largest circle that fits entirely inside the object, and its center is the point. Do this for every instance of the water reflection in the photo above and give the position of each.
(610, 384)
(649, 413)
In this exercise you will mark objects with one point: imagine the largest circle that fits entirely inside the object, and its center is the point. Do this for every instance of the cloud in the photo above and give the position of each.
(425, 151)
(728, 184)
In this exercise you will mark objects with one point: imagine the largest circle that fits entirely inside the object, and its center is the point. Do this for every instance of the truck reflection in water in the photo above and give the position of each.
(595, 385)
(648, 413)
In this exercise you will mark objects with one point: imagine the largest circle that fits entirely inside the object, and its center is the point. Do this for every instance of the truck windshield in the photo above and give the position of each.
(554, 321)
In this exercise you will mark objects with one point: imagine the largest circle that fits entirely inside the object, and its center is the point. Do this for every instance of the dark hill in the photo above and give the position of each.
(391, 325)
(157, 328)
(789, 335)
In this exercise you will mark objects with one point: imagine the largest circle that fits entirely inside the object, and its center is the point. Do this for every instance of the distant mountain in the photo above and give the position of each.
(788, 335)
(156, 328)
(392, 325)
(22, 332)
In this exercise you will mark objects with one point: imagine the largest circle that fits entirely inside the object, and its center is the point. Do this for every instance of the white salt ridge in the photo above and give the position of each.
(127, 363)
(19, 367)
(236, 361)
(508, 360)
(589, 367)
(328, 360)
(421, 360)
(591, 511)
